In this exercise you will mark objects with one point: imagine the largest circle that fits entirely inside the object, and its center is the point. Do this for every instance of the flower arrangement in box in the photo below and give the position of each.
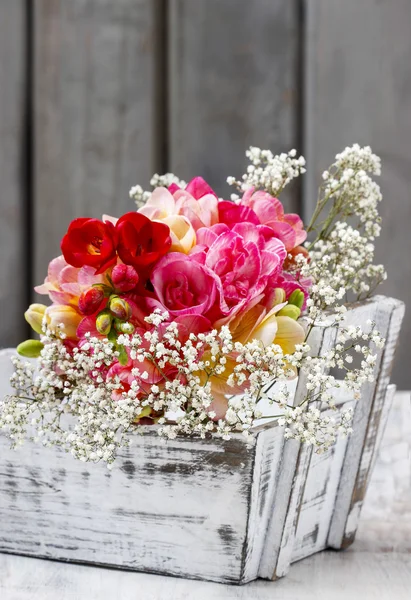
(186, 312)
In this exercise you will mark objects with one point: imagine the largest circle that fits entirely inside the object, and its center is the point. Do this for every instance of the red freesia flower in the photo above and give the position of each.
(141, 242)
(90, 242)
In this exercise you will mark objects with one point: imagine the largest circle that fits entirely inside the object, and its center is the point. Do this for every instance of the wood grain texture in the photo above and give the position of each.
(95, 112)
(233, 83)
(366, 422)
(13, 196)
(378, 565)
(358, 86)
(178, 508)
(296, 462)
(267, 466)
(317, 503)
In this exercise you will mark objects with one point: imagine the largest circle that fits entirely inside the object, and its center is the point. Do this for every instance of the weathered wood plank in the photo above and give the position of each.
(95, 112)
(233, 83)
(266, 473)
(318, 499)
(358, 85)
(366, 420)
(280, 535)
(13, 147)
(178, 508)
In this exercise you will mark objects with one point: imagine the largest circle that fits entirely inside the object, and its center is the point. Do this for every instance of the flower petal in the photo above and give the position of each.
(289, 334)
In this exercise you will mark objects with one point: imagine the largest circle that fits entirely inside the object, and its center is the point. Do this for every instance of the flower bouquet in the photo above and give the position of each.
(220, 323)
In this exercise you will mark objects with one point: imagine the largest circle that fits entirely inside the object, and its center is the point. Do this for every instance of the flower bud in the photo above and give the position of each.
(63, 320)
(30, 348)
(90, 300)
(120, 308)
(297, 298)
(124, 278)
(34, 316)
(291, 311)
(279, 296)
(103, 322)
(123, 326)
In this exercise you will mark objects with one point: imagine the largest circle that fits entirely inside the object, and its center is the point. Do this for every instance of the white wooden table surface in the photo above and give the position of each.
(377, 566)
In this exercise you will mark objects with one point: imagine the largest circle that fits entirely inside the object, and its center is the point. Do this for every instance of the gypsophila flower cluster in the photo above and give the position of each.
(268, 171)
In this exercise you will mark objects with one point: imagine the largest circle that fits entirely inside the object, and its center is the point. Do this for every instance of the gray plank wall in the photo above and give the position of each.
(96, 95)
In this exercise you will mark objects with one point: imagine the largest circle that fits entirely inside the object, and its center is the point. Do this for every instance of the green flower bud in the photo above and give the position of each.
(120, 308)
(103, 322)
(30, 348)
(291, 311)
(34, 316)
(279, 296)
(123, 326)
(296, 298)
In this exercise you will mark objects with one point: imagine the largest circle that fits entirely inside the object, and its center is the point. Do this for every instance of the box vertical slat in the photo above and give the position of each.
(362, 443)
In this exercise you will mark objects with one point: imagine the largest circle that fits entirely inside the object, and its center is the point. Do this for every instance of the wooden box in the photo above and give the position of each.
(226, 511)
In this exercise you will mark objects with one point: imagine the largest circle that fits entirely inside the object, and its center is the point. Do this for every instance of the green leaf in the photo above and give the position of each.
(123, 356)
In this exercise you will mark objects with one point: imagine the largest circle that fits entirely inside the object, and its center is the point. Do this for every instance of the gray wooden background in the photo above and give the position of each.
(96, 95)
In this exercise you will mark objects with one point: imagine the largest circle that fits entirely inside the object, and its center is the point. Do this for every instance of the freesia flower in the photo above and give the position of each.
(183, 286)
(245, 258)
(288, 228)
(141, 242)
(90, 242)
(201, 212)
(64, 283)
(183, 236)
(58, 315)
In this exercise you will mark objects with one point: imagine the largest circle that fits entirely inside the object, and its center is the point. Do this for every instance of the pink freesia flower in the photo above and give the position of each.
(64, 283)
(288, 228)
(183, 286)
(245, 258)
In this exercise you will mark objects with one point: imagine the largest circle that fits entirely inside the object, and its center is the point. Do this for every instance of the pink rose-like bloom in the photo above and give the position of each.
(64, 284)
(245, 259)
(288, 228)
(183, 286)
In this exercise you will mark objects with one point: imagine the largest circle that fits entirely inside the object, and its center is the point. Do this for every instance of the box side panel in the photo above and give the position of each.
(177, 508)
(367, 417)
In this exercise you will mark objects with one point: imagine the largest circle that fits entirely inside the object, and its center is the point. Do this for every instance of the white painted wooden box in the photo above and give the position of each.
(218, 510)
